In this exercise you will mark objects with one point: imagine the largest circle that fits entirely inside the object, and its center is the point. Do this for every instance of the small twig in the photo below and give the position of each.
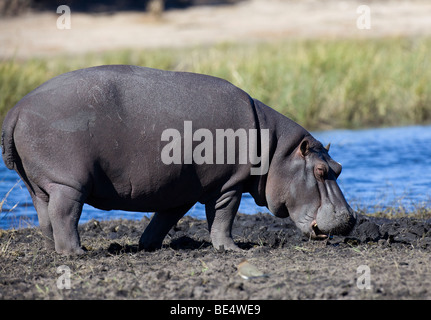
(5, 197)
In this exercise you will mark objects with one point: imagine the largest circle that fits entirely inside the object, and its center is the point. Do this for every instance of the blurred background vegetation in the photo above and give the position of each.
(320, 83)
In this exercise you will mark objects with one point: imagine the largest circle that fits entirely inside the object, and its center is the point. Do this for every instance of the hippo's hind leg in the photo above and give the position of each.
(44, 222)
(64, 210)
(220, 214)
(159, 226)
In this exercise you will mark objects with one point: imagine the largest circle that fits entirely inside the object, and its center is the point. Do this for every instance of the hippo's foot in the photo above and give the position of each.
(225, 244)
(67, 250)
(148, 245)
(151, 240)
(49, 245)
(71, 251)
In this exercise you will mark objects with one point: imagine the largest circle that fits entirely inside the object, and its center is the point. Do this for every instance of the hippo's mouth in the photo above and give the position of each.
(315, 232)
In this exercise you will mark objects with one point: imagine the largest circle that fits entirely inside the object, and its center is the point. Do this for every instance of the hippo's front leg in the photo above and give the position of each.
(220, 214)
(159, 226)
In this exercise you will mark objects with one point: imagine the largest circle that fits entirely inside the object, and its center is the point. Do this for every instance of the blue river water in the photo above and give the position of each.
(386, 167)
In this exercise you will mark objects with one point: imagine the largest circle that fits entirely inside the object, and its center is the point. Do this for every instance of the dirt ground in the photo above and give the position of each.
(36, 34)
(380, 259)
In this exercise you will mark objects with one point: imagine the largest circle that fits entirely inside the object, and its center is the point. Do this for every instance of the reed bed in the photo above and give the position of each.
(321, 84)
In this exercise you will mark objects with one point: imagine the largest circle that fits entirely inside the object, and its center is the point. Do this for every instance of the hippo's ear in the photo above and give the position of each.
(304, 148)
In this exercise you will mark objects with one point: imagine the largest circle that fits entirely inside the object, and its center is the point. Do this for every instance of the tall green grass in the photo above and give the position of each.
(321, 84)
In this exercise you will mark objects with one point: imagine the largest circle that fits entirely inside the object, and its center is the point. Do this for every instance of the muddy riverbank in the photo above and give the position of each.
(381, 259)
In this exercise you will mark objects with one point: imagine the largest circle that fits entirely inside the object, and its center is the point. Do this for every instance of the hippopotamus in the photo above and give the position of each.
(132, 138)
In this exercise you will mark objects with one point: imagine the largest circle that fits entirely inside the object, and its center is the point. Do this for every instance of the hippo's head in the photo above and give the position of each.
(302, 184)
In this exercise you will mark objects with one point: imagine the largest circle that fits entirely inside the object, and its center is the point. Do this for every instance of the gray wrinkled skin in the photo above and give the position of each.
(94, 136)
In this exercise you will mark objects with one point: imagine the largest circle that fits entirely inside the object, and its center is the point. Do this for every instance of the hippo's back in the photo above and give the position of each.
(100, 128)
(135, 93)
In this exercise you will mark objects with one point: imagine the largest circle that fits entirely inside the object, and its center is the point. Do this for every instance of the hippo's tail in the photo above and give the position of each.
(9, 153)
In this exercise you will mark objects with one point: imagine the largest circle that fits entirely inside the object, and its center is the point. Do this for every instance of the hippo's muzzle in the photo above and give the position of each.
(334, 216)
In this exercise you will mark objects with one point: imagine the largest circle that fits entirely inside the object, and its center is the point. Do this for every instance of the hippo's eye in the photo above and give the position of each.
(321, 172)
